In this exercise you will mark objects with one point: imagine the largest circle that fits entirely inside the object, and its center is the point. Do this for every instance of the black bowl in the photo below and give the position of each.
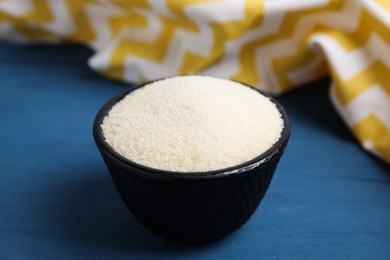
(191, 208)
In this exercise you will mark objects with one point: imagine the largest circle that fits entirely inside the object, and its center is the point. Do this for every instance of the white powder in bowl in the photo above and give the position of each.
(192, 124)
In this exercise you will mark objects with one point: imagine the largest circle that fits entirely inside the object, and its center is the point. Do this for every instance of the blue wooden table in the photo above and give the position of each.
(328, 199)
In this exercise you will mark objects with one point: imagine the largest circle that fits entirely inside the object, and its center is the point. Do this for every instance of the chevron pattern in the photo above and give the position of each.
(273, 45)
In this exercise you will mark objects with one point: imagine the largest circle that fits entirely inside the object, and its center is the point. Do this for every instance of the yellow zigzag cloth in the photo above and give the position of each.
(273, 45)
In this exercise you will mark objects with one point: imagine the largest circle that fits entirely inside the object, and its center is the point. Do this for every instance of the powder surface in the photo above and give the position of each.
(192, 124)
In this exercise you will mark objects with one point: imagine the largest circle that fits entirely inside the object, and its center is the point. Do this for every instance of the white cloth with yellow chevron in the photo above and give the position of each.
(273, 45)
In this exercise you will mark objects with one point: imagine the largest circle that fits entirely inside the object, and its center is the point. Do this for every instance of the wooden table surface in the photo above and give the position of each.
(328, 200)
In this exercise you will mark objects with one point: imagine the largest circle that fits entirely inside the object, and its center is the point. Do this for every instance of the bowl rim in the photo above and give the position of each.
(257, 161)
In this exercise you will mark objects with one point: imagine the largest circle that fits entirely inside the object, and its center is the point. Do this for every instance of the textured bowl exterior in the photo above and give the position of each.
(191, 211)
(191, 208)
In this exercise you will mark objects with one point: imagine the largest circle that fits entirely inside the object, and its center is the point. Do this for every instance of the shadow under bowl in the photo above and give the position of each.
(191, 208)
